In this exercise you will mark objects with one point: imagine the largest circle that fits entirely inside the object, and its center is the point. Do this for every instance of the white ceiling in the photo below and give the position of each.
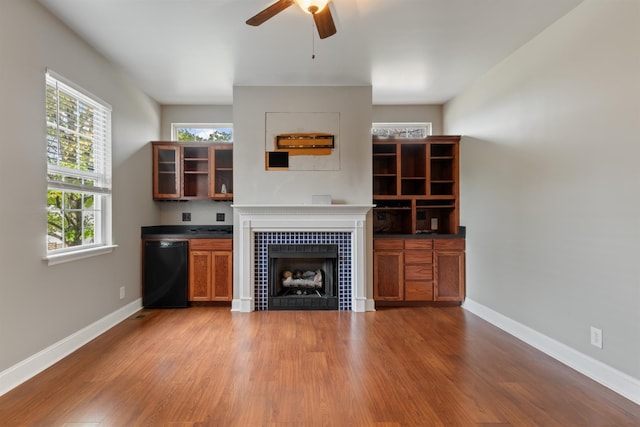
(410, 51)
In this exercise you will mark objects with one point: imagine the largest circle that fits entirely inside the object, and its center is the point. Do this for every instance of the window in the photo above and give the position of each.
(201, 132)
(78, 168)
(401, 130)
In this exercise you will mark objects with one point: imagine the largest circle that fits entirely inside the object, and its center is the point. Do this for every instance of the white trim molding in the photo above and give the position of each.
(621, 383)
(78, 254)
(33, 365)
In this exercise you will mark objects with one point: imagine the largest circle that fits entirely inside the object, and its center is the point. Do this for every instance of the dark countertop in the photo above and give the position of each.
(462, 232)
(187, 232)
(226, 232)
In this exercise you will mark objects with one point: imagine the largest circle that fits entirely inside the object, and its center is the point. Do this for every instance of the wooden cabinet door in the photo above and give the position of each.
(449, 269)
(221, 173)
(200, 273)
(210, 270)
(388, 275)
(166, 172)
(222, 276)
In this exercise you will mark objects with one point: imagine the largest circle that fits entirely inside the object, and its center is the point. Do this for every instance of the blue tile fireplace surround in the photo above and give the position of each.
(264, 239)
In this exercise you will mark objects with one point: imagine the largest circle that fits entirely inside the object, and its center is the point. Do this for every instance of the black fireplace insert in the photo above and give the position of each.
(303, 277)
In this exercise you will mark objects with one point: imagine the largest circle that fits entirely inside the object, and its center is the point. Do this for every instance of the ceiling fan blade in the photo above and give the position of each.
(324, 23)
(269, 12)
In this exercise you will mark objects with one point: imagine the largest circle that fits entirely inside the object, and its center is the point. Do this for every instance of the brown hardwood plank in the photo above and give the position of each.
(207, 366)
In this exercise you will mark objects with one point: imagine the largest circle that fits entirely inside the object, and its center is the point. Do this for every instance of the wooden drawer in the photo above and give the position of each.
(418, 244)
(211, 244)
(418, 257)
(388, 244)
(418, 291)
(418, 272)
(449, 244)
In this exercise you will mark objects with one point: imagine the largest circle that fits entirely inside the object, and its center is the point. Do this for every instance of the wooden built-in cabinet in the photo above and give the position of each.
(417, 269)
(192, 171)
(415, 185)
(210, 270)
(416, 192)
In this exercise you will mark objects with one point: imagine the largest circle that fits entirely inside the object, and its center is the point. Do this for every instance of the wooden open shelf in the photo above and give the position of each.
(416, 185)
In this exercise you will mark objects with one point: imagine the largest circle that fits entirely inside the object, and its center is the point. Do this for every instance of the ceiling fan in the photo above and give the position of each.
(318, 8)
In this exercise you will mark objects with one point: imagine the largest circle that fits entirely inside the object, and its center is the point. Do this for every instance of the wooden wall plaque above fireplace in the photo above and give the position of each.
(304, 140)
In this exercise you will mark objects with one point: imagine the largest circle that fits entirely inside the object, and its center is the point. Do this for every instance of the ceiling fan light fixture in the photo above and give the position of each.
(312, 6)
(318, 9)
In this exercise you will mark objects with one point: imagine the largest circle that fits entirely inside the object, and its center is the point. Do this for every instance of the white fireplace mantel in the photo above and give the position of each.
(320, 217)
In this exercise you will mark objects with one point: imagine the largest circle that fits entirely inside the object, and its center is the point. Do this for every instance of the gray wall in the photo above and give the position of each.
(40, 305)
(350, 184)
(550, 182)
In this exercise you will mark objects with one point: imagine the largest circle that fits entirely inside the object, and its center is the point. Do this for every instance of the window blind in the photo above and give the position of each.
(78, 138)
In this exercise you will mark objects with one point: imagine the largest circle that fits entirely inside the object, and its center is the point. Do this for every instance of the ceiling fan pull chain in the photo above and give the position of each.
(313, 39)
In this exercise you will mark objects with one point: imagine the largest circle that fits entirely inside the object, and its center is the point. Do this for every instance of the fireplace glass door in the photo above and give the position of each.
(303, 277)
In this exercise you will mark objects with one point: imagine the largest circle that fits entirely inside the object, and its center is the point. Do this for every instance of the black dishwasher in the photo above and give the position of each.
(165, 272)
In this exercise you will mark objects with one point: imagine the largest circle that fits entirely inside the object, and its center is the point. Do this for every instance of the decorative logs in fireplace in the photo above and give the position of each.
(303, 277)
(299, 280)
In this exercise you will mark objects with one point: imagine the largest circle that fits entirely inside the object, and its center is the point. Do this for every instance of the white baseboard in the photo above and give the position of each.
(30, 367)
(621, 383)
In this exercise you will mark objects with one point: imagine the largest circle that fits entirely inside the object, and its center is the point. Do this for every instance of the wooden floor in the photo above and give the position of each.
(206, 366)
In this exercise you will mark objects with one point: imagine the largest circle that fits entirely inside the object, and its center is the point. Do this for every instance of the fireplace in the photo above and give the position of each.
(303, 277)
(262, 225)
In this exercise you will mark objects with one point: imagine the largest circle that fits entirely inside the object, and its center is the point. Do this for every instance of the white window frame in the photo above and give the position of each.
(95, 182)
(212, 126)
(403, 126)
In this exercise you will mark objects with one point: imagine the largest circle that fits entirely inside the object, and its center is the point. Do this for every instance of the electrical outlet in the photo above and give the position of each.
(220, 216)
(121, 292)
(596, 337)
(186, 216)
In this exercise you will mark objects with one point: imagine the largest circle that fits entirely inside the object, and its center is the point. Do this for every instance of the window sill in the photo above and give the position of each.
(80, 254)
